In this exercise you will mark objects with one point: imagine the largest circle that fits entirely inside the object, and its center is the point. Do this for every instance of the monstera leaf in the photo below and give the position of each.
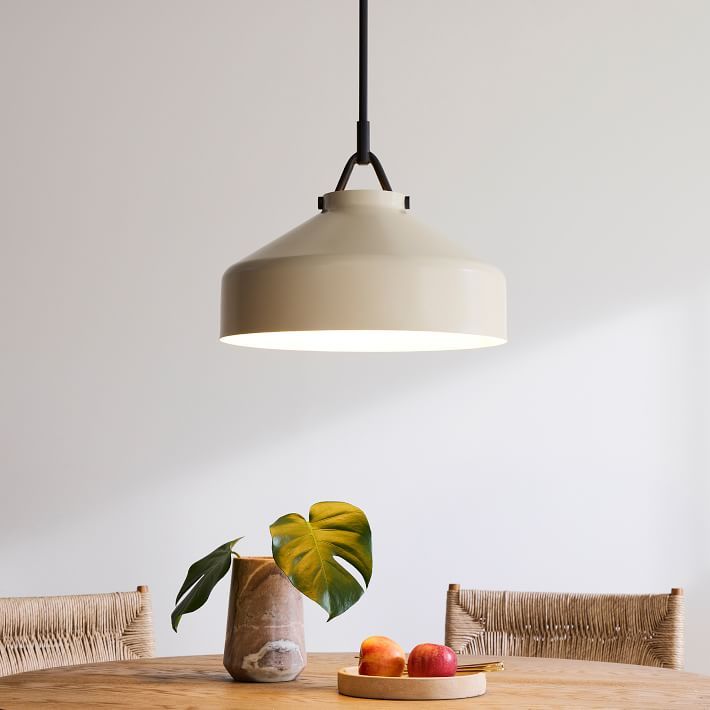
(306, 552)
(201, 579)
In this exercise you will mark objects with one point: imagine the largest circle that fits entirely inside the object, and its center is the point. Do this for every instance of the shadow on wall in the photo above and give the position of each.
(164, 408)
(587, 212)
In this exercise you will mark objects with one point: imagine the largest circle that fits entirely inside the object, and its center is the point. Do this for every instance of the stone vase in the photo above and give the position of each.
(265, 641)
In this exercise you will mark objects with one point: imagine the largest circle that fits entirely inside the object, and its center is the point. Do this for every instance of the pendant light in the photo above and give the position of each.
(363, 275)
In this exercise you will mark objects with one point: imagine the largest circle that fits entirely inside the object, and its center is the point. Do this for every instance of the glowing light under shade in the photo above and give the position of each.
(382, 341)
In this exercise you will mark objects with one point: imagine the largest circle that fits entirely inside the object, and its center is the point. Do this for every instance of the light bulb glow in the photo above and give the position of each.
(379, 341)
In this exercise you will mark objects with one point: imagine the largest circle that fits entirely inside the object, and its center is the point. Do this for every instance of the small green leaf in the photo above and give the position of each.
(201, 578)
(305, 550)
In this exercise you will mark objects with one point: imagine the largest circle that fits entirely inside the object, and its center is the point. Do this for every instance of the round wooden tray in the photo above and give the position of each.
(350, 682)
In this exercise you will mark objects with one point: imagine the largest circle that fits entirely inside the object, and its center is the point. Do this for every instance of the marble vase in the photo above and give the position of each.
(265, 641)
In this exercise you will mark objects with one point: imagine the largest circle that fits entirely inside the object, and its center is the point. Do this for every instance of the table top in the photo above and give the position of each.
(201, 682)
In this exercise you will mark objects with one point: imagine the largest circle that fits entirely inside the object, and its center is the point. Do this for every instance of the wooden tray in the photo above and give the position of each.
(350, 682)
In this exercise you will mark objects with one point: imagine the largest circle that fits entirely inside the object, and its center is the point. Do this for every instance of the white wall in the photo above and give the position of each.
(147, 145)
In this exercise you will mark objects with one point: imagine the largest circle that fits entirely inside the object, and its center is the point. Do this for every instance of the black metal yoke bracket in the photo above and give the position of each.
(371, 159)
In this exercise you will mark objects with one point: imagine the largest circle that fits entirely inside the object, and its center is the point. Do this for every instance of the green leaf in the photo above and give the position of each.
(201, 578)
(305, 550)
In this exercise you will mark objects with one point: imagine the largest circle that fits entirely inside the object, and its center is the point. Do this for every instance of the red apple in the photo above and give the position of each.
(429, 660)
(381, 656)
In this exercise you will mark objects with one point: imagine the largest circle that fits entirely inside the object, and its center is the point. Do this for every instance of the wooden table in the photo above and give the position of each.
(201, 682)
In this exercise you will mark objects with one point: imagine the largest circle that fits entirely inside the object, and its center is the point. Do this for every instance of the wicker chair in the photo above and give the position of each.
(47, 632)
(643, 629)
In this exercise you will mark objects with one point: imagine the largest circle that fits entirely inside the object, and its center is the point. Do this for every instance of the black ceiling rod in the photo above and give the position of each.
(363, 125)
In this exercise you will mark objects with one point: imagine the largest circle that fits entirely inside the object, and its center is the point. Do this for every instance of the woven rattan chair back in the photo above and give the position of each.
(643, 629)
(47, 632)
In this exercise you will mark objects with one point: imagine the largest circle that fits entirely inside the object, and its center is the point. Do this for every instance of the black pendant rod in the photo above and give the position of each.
(363, 125)
(363, 156)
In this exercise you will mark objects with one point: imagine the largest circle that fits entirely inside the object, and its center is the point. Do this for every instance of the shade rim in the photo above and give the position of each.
(362, 340)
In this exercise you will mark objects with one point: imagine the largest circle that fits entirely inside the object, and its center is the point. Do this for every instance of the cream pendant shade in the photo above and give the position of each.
(363, 276)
